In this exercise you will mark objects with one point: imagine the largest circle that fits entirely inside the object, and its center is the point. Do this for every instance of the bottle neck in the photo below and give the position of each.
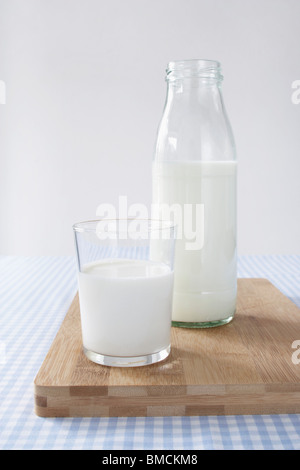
(194, 83)
(193, 89)
(194, 96)
(194, 125)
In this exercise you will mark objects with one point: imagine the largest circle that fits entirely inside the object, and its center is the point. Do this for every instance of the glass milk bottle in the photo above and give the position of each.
(194, 183)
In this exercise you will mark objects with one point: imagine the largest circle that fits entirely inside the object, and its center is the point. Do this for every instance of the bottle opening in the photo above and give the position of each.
(201, 68)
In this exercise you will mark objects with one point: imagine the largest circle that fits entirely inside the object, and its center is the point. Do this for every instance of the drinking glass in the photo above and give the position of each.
(125, 283)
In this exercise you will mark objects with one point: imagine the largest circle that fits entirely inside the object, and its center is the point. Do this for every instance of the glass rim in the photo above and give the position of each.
(199, 63)
(92, 224)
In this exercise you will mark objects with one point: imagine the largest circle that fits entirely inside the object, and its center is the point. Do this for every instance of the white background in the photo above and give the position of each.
(85, 89)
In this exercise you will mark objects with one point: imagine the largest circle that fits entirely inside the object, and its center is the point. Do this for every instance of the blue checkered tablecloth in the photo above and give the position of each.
(35, 294)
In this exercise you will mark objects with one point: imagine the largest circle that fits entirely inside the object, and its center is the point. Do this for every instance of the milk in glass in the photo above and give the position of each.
(125, 306)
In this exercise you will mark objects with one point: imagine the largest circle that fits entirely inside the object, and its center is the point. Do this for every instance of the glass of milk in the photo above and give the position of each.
(125, 281)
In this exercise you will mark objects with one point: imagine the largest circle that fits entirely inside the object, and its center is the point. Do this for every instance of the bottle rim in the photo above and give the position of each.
(192, 68)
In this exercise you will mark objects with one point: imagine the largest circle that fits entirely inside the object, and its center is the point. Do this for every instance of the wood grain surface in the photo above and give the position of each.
(244, 367)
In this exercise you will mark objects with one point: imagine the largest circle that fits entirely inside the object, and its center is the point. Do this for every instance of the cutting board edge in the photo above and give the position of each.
(107, 406)
(162, 390)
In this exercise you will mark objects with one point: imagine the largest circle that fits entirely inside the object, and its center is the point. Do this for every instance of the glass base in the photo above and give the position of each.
(122, 361)
(205, 324)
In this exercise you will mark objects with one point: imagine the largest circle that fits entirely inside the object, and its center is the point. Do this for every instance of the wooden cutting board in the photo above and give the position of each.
(245, 367)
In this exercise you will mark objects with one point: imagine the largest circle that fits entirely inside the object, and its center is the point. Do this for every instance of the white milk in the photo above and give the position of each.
(125, 307)
(204, 278)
